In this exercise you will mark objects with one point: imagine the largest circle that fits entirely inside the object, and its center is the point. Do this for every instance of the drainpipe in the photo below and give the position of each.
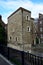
(39, 40)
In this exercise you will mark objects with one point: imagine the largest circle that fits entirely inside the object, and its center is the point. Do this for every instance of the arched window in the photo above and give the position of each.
(27, 17)
(10, 38)
(16, 39)
(40, 22)
(28, 29)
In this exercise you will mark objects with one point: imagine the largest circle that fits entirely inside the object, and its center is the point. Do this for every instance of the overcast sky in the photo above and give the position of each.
(9, 6)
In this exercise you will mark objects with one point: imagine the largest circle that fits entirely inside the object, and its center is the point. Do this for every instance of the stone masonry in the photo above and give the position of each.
(21, 30)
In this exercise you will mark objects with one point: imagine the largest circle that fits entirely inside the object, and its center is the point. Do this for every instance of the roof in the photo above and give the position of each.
(23, 9)
(40, 14)
(32, 18)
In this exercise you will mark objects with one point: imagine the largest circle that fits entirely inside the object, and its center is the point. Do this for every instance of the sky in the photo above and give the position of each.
(7, 7)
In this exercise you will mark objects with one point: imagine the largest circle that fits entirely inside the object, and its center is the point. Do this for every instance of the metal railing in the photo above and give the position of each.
(13, 53)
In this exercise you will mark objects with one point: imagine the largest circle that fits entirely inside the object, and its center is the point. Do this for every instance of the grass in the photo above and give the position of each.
(41, 44)
(15, 61)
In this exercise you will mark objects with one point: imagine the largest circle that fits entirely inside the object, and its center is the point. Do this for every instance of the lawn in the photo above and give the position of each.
(15, 61)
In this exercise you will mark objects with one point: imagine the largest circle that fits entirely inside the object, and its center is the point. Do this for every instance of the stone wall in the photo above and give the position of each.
(15, 27)
(18, 34)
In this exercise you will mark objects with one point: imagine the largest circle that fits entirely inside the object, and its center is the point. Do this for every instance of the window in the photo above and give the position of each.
(40, 22)
(41, 41)
(28, 29)
(41, 35)
(27, 17)
(41, 29)
(10, 38)
(16, 38)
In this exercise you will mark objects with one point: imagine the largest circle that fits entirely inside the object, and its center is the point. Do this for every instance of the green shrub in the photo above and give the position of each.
(15, 61)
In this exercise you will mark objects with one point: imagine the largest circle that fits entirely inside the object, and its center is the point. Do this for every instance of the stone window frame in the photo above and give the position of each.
(41, 29)
(16, 38)
(27, 17)
(10, 38)
(41, 35)
(28, 28)
(40, 22)
(41, 41)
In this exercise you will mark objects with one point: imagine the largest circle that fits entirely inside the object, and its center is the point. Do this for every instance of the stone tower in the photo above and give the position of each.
(20, 29)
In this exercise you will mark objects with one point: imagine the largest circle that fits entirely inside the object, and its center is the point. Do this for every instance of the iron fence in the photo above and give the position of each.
(21, 56)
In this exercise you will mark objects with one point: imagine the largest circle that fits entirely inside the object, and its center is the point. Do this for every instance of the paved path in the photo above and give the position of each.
(4, 61)
(37, 53)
